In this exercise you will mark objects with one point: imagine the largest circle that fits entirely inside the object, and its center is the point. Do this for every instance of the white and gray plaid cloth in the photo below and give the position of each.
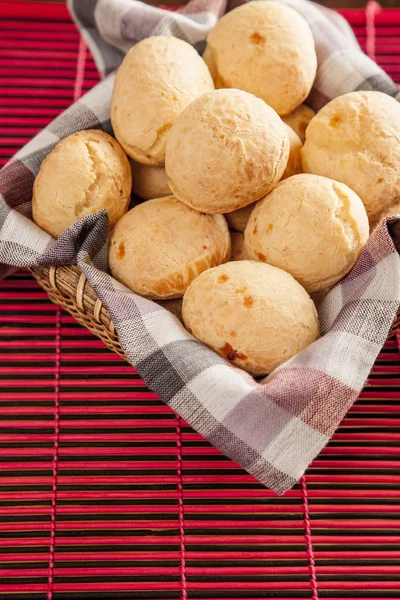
(272, 428)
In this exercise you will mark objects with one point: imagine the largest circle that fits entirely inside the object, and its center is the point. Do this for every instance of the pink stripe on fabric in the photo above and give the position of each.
(80, 69)
(308, 538)
(371, 10)
(55, 457)
(181, 510)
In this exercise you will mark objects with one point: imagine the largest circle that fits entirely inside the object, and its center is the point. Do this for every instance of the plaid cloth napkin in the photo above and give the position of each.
(272, 428)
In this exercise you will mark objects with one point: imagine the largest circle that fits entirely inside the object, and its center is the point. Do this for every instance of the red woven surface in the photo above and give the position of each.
(104, 493)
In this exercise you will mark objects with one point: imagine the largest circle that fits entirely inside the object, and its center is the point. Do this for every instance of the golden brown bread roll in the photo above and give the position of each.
(255, 315)
(86, 172)
(161, 245)
(267, 49)
(157, 79)
(355, 139)
(226, 150)
(312, 227)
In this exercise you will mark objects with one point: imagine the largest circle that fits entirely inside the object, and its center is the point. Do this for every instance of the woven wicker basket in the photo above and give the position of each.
(69, 288)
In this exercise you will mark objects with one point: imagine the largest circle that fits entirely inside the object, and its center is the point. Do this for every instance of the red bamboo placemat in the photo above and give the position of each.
(104, 493)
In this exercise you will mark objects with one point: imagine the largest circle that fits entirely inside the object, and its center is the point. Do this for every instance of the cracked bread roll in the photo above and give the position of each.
(254, 315)
(299, 119)
(237, 246)
(86, 172)
(225, 151)
(311, 226)
(355, 139)
(161, 245)
(157, 79)
(293, 166)
(149, 182)
(267, 49)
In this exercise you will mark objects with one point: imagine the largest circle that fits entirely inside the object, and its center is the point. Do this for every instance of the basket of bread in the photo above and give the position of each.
(219, 231)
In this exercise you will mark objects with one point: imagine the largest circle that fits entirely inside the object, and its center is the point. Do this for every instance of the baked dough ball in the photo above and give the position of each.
(237, 246)
(149, 182)
(238, 219)
(299, 119)
(255, 315)
(226, 150)
(293, 166)
(312, 227)
(355, 139)
(86, 172)
(265, 48)
(161, 245)
(158, 78)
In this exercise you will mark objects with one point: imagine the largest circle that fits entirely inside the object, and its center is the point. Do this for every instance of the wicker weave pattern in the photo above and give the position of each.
(68, 287)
